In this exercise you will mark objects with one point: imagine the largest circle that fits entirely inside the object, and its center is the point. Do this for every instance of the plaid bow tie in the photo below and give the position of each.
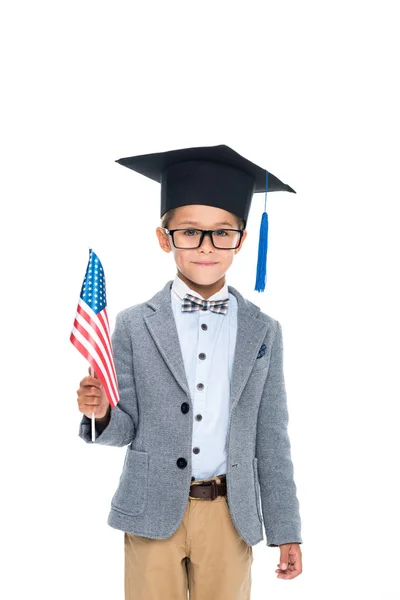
(191, 303)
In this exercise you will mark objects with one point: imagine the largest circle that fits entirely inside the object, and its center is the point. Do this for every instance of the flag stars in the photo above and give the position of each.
(94, 285)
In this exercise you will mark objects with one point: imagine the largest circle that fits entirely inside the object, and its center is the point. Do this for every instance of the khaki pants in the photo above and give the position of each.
(205, 555)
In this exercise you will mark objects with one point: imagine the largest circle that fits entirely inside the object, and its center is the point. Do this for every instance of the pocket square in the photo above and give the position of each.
(261, 351)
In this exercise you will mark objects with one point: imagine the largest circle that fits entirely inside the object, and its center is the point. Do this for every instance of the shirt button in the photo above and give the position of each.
(199, 417)
(200, 386)
(196, 450)
(204, 327)
(202, 356)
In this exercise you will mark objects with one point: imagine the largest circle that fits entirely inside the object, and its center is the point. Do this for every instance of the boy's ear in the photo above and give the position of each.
(241, 241)
(163, 239)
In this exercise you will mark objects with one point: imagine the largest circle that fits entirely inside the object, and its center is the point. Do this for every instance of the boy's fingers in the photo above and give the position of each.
(90, 381)
(291, 575)
(91, 392)
(88, 392)
(294, 569)
(94, 405)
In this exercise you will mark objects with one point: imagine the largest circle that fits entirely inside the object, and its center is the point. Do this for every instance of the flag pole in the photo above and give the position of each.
(93, 417)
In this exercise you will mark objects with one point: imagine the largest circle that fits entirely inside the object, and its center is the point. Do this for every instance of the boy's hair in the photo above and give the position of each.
(166, 218)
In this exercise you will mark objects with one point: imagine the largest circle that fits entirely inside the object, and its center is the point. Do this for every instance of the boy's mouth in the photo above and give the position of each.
(205, 264)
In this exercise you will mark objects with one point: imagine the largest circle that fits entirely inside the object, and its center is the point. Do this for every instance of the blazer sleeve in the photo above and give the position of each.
(122, 426)
(280, 505)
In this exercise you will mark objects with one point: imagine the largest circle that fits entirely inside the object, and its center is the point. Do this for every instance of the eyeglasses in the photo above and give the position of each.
(222, 239)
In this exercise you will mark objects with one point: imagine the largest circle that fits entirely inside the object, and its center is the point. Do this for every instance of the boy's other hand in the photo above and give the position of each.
(291, 561)
(92, 398)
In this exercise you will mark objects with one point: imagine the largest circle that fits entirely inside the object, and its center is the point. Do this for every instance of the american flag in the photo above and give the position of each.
(91, 331)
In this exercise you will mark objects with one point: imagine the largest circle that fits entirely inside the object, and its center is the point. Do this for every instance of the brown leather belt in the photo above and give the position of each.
(209, 489)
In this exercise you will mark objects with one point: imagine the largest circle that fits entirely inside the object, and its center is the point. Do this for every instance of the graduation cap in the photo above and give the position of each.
(213, 175)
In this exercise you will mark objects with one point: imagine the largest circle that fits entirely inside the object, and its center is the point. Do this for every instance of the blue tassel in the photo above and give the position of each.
(262, 254)
(262, 246)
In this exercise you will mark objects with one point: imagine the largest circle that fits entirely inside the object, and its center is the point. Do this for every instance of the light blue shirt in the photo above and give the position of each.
(211, 404)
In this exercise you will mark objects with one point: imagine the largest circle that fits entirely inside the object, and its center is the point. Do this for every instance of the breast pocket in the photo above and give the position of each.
(261, 362)
(131, 495)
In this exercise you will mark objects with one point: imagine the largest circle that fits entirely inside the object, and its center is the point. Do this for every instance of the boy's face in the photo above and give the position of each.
(188, 261)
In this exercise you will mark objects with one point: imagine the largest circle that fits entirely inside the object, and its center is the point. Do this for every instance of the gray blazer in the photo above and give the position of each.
(153, 489)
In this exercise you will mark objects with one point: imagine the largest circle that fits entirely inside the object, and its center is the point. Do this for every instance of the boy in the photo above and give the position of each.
(202, 399)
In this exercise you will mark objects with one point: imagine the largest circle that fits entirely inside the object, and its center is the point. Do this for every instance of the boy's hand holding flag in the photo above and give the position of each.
(91, 336)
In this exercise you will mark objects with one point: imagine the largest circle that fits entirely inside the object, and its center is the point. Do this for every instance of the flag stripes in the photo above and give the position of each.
(91, 330)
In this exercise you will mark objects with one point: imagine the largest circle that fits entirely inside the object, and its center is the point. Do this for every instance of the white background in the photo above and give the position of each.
(308, 90)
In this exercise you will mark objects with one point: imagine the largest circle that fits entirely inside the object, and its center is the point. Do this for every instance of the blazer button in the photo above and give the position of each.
(204, 327)
(202, 356)
(181, 462)
(185, 407)
(193, 478)
(196, 450)
(200, 386)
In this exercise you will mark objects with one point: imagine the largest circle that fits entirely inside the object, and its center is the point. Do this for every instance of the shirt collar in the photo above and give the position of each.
(181, 288)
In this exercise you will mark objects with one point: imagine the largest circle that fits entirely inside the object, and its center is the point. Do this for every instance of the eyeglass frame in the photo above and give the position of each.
(204, 232)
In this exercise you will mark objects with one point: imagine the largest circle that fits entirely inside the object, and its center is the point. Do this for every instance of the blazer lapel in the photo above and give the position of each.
(251, 332)
(160, 321)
